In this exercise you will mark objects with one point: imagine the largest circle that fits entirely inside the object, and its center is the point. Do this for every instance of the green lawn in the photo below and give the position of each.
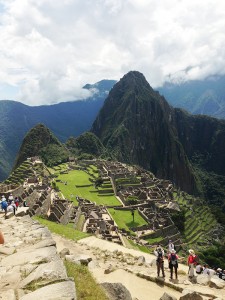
(66, 231)
(124, 219)
(77, 185)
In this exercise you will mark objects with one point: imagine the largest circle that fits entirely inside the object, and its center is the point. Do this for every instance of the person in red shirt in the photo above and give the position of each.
(173, 263)
(191, 262)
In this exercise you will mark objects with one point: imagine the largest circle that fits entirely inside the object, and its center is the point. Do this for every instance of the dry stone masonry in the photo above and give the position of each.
(30, 267)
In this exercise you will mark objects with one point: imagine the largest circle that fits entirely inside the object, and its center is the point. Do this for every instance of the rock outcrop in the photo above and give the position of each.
(30, 267)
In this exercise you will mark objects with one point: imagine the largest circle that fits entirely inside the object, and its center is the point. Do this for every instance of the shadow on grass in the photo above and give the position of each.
(132, 224)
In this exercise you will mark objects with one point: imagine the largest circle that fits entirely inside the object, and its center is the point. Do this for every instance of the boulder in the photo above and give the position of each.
(8, 295)
(79, 259)
(46, 273)
(203, 279)
(217, 283)
(190, 295)
(108, 270)
(141, 260)
(116, 291)
(28, 256)
(166, 296)
(58, 291)
(64, 252)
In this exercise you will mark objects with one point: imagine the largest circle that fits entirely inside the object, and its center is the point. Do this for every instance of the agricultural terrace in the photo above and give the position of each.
(78, 184)
(124, 218)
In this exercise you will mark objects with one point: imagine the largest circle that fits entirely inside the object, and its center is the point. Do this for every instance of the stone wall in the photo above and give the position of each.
(29, 263)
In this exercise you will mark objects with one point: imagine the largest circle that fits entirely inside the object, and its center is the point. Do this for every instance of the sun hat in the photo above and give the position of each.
(191, 251)
(173, 251)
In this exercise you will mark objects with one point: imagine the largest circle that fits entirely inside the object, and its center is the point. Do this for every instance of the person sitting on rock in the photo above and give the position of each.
(206, 270)
(173, 263)
(198, 268)
(159, 253)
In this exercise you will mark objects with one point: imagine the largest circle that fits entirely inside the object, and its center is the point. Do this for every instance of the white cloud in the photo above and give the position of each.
(51, 48)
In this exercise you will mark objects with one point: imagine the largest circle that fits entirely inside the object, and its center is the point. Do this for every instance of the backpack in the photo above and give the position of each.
(4, 205)
(160, 255)
(173, 259)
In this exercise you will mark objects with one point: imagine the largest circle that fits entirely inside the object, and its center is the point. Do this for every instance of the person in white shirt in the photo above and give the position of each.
(198, 269)
(206, 270)
(170, 246)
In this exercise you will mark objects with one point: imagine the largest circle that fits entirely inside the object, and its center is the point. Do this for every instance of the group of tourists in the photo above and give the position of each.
(192, 262)
(11, 204)
(172, 258)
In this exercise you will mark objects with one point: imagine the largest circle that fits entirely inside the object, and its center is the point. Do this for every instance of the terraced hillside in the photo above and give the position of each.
(200, 227)
(19, 175)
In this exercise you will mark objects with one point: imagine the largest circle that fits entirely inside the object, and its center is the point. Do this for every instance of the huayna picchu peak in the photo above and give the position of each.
(139, 127)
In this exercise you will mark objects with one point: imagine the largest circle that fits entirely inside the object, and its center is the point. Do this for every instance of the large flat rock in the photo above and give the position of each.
(36, 256)
(46, 273)
(58, 291)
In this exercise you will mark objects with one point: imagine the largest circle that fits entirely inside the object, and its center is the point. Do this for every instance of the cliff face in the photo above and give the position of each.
(138, 126)
(204, 137)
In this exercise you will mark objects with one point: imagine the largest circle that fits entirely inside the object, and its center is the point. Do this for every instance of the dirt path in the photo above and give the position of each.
(139, 288)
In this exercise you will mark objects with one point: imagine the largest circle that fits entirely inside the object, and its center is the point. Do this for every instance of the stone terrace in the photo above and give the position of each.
(30, 268)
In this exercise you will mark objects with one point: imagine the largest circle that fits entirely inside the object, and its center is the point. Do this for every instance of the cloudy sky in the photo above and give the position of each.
(50, 48)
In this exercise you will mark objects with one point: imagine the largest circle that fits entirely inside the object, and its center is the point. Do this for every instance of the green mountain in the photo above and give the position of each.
(39, 141)
(138, 126)
(86, 143)
(63, 119)
(198, 96)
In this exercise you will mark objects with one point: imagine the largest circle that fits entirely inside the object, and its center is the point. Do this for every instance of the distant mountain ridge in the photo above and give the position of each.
(205, 97)
(63, 119)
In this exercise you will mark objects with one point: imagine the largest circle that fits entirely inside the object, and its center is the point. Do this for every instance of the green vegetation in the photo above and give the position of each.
(21, 173)
(79, 184)
(86, 143)
(124, 219)
(39, 141)
(66, 231)
(132, 245)
(86, 286)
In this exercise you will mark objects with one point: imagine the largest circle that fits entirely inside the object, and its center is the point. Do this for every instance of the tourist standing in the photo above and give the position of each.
(159, 253)
(191, 261)
(4, 205)
(171, 246)
(10, 199)
(173, 263)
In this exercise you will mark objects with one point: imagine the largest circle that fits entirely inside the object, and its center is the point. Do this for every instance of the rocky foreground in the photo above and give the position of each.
(31, 268)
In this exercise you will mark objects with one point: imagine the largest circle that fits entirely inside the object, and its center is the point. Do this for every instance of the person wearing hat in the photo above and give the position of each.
(159, 253)
(173, 263)
(191, 262)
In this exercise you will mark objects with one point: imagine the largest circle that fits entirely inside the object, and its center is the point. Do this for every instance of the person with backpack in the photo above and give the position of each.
(191, 262)
(4, 205)
(159, 253)
(173, 263)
